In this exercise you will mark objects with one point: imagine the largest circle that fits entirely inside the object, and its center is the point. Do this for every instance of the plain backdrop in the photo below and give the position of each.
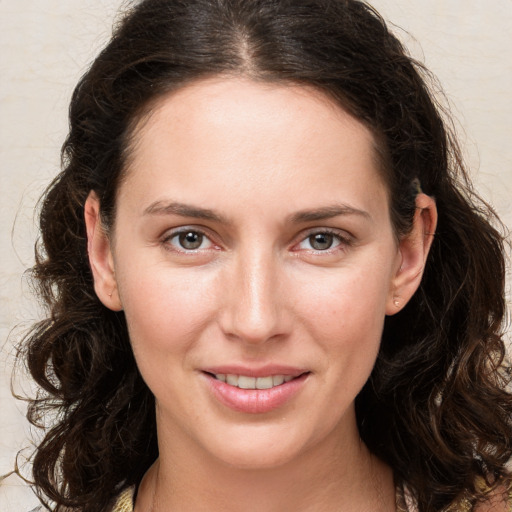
(46, 46)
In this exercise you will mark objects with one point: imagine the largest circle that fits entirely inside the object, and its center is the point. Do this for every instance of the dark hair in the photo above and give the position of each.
(434, 408)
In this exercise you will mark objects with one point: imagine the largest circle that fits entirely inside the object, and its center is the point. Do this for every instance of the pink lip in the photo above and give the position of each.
(255, 401)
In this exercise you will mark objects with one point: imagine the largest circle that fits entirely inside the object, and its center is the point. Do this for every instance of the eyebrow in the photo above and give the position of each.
(328, 212)
(184, 210)
(316, 214)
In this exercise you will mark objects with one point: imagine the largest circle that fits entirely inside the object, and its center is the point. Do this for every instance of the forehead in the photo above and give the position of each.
(251, 134)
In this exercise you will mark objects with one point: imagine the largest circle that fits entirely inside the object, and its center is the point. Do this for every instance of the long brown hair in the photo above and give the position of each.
(435, 407)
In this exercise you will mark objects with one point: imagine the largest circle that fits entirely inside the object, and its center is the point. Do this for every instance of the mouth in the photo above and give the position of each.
(255, 394)
(248, 382)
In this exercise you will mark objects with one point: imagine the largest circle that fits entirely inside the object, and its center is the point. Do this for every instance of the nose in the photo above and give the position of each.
(254, 305)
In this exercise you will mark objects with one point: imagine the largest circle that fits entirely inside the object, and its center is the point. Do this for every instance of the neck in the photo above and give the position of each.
(338, 475)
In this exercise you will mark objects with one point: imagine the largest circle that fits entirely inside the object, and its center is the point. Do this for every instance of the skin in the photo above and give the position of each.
(274, 166)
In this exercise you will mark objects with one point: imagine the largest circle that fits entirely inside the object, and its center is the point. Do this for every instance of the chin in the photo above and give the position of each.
(260, 448)
(256, 459)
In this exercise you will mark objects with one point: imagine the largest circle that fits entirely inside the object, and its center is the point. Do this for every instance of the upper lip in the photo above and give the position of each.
(261, 371)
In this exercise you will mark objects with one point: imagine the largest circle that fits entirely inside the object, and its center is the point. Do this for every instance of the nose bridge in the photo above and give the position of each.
(254, 311)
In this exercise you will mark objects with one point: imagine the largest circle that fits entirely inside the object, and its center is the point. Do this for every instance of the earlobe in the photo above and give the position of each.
(413, 252)
(100, 255)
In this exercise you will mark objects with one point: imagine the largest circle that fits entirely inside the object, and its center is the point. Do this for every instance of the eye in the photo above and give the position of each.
(322, 241)
(188, 240)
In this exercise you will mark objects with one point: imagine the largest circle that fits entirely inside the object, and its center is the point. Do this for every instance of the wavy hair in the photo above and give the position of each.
(435, 407)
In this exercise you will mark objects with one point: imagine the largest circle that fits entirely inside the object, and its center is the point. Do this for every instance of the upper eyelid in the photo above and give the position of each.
(172, 232)
(340, 233)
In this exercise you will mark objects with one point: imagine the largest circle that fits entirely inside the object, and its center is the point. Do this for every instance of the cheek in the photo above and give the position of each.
(344, 300)
(165, 308)
(344, 313)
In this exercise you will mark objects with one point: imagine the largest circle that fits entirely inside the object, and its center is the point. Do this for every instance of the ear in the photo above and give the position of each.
(100, 255)
(413, 251)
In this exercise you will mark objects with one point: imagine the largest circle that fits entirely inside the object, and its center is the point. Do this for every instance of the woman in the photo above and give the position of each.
(269, 283)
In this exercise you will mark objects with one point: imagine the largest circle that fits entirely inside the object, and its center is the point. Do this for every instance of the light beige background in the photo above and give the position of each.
(46, 46)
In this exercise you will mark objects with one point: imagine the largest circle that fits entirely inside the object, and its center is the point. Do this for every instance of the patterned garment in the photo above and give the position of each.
(124, 502)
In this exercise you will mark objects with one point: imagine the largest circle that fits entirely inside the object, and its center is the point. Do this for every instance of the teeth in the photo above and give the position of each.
(232, 380)
(245, 382)
(277, 380)
(264, 382)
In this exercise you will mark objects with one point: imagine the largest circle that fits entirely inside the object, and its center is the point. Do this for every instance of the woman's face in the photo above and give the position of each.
(253, 245)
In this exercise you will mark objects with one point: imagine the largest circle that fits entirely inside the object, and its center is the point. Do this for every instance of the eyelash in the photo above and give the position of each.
(343, 241)
(340, 241)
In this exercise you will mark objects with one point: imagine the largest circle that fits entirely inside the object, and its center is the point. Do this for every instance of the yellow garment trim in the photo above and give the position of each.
(124, 502)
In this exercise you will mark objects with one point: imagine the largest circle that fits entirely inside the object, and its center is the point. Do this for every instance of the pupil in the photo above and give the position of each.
(321, 241)
(191, 240)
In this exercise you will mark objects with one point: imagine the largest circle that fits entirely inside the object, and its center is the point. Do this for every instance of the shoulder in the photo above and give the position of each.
(124, 501)
(499, 500)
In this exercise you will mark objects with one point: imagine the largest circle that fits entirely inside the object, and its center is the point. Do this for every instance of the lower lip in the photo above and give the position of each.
(255, 401)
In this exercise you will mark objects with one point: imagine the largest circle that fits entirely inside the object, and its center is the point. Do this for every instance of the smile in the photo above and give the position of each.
(247, 382)
(255, 394)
